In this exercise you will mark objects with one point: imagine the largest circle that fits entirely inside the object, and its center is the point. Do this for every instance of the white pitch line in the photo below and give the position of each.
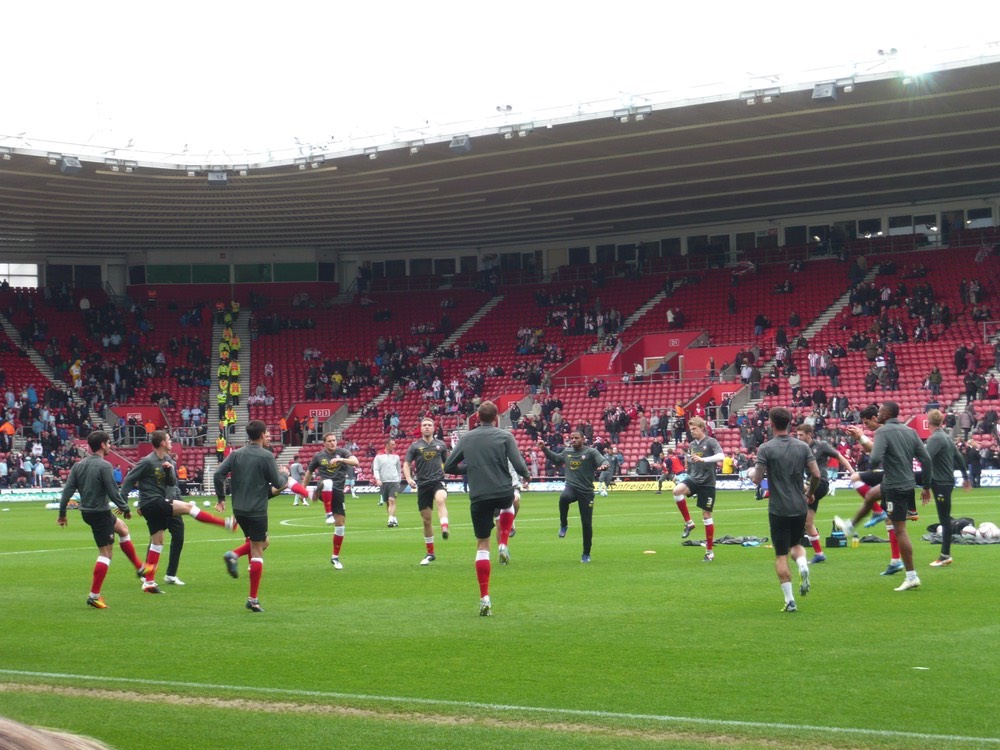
(665, 719)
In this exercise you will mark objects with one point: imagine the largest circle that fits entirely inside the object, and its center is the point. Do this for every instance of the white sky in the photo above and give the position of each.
(228, 78)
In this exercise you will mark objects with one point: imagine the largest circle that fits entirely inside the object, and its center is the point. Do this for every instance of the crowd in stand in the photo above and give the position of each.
(120, 359)
(39, 465)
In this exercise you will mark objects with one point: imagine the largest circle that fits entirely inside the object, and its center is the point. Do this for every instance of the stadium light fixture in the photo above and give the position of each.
(460, 144)
(70, 165)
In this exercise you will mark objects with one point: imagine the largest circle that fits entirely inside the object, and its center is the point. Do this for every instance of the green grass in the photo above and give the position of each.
(634, 648)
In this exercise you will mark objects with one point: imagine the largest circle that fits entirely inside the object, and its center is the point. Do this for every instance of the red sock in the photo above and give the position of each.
(338, 539)
(243, 549)
(863, 490)
(682, 506)
(709, 534)
(256, 571)
(430, 546)
(297, 488)
(483, 574)
(505, 522)
(204, 516)
(876, 507)
(152, 559)
(100, 570)
(814, 540)
(893, 544)
(129, 549)
(327, 496)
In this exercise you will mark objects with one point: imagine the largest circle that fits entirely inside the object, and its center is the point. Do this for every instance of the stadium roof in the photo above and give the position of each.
(640, 171)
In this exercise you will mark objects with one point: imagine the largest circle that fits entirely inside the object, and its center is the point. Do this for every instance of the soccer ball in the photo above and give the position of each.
(207, 504)
(135, 504)
(989, 531)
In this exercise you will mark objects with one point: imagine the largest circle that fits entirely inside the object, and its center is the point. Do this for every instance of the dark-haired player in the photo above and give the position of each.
(255, 479)
(581, 462)
(897, 445)
(784, 460)
(484, 453)
(153, 475)
(93, 477)
(821, 451)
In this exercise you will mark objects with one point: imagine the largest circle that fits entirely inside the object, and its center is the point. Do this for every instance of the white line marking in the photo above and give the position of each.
(665, 719)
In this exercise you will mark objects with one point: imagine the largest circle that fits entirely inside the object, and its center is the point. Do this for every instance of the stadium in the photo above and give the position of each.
(617, 268)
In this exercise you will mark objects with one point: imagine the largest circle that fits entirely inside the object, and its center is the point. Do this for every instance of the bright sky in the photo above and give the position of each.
(230, 80)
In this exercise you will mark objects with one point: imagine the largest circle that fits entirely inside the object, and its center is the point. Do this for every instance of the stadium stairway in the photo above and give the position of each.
(820, 322)
(472, 320)
(35, 357)
(810, 332)
(241, 327)
(456, 335)
(635, 316)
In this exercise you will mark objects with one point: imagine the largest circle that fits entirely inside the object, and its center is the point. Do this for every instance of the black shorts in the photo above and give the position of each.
(102, 523)
(822, 489)
(786, 532)
(871, 478)
(517, 501)
(157, 514)
(897, 502)
(426, 493)
(337, 503)
(254, 528)
(482, 514)
(388, 490)
(705, 494)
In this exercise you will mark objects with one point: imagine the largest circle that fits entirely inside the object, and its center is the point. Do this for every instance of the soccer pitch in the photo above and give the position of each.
(646, 645)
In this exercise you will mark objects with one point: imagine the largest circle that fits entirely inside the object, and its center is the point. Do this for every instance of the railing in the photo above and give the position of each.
(684, 376)
(333, 422)
(990, 330)
(188, 436)
(128, 435)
